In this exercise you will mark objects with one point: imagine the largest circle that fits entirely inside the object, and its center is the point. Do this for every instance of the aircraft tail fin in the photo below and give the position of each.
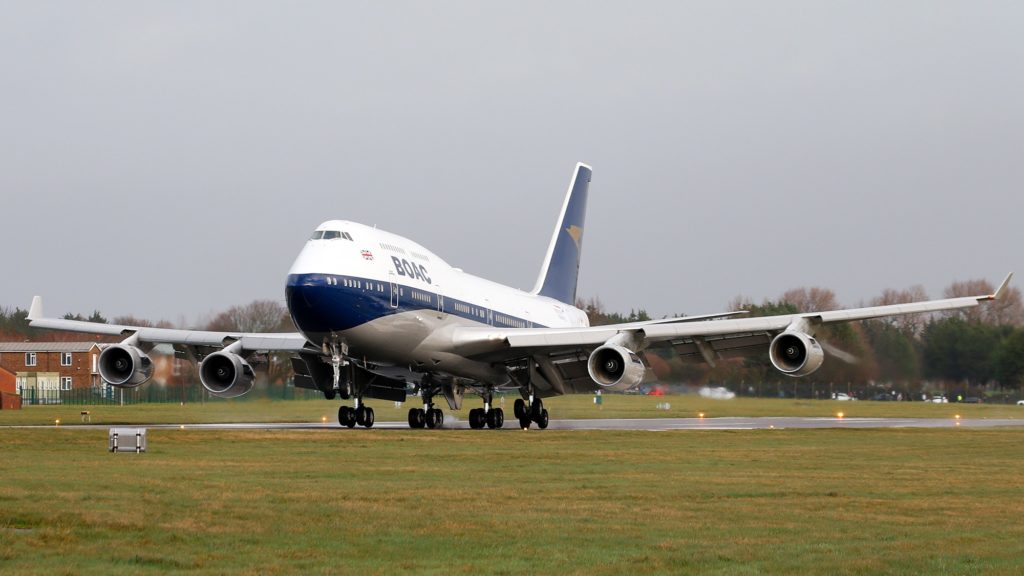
(559, 273)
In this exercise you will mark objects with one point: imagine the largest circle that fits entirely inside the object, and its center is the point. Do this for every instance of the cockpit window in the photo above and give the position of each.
(331, 235)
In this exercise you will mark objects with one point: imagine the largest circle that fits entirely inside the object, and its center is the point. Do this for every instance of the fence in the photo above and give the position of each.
(154, 394)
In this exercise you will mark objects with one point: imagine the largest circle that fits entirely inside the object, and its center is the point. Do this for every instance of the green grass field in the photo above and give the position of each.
(469, 502)
(615, 406)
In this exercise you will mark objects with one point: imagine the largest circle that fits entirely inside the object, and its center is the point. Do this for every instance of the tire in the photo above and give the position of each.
(360, 415)
(499, 417)
(524, 423)
(476, 418)
(368, 418)
(415, 418)
(542, 422)
(491, 417)
(330, 394)
(347, 416)
(438, 418)
(520, 408)
(536, 408)
(429, 418)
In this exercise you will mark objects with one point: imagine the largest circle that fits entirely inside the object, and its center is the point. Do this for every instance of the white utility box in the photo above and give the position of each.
(128, 440)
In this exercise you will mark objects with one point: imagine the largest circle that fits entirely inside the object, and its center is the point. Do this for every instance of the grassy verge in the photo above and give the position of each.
(375, 502)
(566, 407)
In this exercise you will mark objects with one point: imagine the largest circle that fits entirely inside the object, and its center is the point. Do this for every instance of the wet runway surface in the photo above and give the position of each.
(648, 424)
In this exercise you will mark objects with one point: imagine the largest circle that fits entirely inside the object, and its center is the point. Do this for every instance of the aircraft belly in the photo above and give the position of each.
(403, 339)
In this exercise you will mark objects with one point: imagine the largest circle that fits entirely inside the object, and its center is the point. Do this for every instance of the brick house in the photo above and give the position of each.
(75, 363)
(9, 398)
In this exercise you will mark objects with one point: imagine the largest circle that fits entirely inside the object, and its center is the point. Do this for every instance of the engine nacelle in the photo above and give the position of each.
(226, 375)
(616, 368)
(796, 354)
(125, 366)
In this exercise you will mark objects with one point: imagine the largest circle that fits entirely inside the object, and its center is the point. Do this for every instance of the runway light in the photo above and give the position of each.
(700, 415)
(57, 422)
(957, 416)
(839, 415)
(323, 419)
(182, 427)
(771, 426)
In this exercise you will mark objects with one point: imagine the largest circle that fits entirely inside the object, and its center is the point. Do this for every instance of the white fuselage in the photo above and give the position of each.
(387, 298)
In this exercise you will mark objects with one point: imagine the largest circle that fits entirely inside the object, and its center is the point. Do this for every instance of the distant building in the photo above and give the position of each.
(72, 364)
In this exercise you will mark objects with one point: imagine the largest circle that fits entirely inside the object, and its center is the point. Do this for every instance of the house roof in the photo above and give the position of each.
(47, 346)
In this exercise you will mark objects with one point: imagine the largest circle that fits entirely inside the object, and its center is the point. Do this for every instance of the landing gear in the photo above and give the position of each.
(535, 413)
(362, 415)
(490, 417)
(429, 416)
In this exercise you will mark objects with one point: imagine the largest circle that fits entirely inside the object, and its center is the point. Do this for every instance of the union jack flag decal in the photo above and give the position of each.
(367, 255)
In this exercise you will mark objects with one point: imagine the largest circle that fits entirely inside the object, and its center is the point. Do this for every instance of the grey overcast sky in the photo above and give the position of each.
(169, 159)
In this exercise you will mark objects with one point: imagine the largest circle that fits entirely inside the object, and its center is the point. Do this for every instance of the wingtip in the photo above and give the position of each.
(1002, 287)
(35, 311)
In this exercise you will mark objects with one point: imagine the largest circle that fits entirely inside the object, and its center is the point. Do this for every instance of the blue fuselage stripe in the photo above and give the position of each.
(324, 303)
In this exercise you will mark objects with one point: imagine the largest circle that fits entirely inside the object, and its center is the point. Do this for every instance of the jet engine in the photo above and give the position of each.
(125, 366)
(226, 375)
(615, 368)
(795, 354)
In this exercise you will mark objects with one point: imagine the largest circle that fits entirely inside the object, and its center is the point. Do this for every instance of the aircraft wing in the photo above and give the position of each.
(559, 355)
(284, 341)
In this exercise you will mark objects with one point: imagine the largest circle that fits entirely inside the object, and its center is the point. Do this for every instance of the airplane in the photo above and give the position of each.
(377, 313)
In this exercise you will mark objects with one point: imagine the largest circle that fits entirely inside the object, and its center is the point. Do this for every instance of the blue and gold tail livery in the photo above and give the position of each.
(561, 265)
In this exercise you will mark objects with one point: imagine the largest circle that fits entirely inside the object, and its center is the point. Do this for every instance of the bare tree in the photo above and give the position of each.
(259, 316)
(911, 324)
(813, 299)
(256, 316)
(1008, 310)
(141, 322)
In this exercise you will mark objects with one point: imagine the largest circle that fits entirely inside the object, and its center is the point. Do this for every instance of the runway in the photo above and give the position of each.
(639, 424)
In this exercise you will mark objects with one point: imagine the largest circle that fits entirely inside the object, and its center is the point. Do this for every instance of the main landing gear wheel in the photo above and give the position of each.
(479, 418)
(542, 420)
(537, 413)
(434, 418)
(368, 417)
(430, 417)
(520, 408)
(495, 418)
(351, 416)
(417, 419)
(347, 417)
